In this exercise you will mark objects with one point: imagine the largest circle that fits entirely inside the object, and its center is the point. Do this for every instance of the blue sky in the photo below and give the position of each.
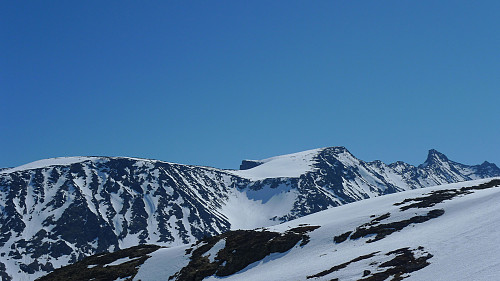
(214, 82)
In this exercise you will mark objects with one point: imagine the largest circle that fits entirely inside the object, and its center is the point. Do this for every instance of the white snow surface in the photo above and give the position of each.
(120, 261)
(285, 166)
(163, 263)
(59, 161)
(212, 253)
(249, 209)
(462, 241)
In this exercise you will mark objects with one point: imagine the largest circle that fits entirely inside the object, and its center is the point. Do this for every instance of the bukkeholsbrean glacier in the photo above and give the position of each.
(58, 211)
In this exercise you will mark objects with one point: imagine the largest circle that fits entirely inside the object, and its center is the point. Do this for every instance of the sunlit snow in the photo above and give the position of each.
(462, 241)
(285, 166)
(48, 162)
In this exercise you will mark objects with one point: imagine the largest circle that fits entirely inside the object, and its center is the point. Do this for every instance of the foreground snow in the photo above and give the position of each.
(461, 243)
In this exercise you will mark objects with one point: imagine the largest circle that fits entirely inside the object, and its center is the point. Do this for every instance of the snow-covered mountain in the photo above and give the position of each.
(58, 211)
(448, 232)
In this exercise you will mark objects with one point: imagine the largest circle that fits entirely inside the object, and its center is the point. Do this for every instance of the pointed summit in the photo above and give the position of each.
(488, 168)
(434, 157)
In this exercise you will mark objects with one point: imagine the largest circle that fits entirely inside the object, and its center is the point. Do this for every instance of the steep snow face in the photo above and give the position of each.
(284, 166)
(249, 209)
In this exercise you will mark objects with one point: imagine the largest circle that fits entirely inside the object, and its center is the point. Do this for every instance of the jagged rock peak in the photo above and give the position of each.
(489, 168)
(434, 157)
(336, 149)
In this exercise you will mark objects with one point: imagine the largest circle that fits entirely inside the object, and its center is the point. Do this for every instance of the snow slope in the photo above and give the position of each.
(460, 241)
(447, 232)
(285, 166)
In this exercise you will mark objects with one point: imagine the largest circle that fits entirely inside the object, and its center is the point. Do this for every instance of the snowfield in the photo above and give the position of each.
(460, 244)
(285, 166)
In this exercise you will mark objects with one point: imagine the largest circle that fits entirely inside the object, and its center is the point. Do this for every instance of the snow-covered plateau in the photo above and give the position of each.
(58, 211)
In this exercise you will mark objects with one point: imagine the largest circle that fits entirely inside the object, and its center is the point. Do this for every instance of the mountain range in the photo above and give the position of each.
(58, 211)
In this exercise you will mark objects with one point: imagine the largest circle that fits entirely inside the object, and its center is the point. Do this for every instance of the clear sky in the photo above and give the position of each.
(214, 82)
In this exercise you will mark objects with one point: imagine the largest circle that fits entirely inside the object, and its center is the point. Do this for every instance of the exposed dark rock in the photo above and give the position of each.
(405, 262)
(249, 164)
(402, 264)
(242, 247)
(439, 196)
(94, 267)
(380, 231)
(340, 266)
(342, 237)
(380, 218)
(3, 274)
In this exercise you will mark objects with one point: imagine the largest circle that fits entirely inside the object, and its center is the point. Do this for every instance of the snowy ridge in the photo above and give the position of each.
(285, 166)
(58, 211)
(59, 161)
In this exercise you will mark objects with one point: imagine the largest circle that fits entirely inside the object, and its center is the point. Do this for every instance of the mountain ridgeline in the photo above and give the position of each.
(58, 211)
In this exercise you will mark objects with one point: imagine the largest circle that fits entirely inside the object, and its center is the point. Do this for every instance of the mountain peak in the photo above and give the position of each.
(283, 166)
(435, 156)
(337, 149)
